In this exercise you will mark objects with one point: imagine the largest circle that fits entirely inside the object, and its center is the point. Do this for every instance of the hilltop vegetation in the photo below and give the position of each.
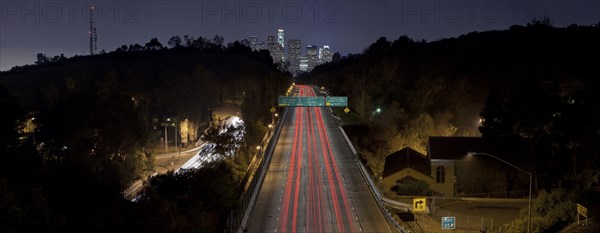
(98, 119)
(531, 91)
(441, 87)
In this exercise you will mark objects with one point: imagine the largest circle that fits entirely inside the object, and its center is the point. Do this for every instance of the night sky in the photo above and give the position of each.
(55, 27)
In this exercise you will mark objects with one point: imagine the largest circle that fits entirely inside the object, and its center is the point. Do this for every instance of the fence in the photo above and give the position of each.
(498, 219)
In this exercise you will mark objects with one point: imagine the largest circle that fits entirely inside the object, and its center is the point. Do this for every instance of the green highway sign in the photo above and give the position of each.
(312, 101)
(301, 101)
(289, 101)
(336, 101)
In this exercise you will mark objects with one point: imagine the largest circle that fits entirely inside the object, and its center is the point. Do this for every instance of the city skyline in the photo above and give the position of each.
(59, 27)
(296, 61)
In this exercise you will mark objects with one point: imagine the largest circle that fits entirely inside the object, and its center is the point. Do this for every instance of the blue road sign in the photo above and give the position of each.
(448, 223)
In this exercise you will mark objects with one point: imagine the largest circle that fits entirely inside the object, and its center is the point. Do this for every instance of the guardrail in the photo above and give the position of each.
(380, 199)
(255, 175)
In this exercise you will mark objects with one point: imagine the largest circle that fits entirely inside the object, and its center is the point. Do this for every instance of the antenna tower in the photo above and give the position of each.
(93, 34)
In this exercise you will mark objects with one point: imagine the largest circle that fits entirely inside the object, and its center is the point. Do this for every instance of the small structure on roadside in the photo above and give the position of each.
(403, 165)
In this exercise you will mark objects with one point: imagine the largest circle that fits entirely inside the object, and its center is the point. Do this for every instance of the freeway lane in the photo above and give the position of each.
(313, 184)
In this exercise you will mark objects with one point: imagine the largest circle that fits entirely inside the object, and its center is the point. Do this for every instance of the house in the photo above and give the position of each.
(448, 171)
(446, 155)
(405, 164)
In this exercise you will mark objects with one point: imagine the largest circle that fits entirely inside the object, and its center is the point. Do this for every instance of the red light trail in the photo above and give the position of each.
(306, 180)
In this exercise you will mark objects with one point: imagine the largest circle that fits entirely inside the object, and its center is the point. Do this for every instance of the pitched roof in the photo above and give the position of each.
(406, 158)
(454, 148)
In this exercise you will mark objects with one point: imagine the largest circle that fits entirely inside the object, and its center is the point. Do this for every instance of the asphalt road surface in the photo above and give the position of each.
(313, 183)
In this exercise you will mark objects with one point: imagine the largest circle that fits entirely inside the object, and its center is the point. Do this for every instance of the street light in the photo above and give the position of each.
(469, 154)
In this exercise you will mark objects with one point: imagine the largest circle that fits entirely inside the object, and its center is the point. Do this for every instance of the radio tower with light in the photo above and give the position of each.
(93, 34)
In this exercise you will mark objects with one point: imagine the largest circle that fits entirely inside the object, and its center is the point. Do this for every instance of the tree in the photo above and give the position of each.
(123, 48)
(188, 40)
(189, 201)
(175, 42)
(41, 59)
(336, 57)
(153, 44)
(9, 120)
(135, 48)
(541, 21)
(217, 42)
(412, 187)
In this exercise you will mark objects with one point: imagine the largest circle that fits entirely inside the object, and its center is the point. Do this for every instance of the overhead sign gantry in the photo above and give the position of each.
(318, 101)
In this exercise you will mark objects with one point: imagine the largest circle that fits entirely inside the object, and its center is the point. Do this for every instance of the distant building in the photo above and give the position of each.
(276, 47)
(294, 47)
(255, 44)
(312, 54)
(275, 50)
(271, 40)
(304, 64)
(280, 38)
(326, 54)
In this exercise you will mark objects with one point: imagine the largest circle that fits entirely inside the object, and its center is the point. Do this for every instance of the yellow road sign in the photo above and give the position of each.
(419, 204)
(272, 109)
(582, 210)
(346, 110)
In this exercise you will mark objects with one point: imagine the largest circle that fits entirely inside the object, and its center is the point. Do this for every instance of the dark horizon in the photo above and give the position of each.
(61, 27)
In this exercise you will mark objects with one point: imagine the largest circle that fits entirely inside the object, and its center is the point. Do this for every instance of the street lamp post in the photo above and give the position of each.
(166, 146)
(520, 169)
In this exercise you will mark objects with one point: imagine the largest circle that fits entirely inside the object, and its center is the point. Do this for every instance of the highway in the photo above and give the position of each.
(313, 183)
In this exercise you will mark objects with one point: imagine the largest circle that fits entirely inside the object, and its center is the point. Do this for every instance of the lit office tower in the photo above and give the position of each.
(326, 55)
(254, 44)
(280, 38)
(273, 48)
(312, 54)
(281, 42)
(260, 45)
(320, 60)
(294, 46)
(303, 64)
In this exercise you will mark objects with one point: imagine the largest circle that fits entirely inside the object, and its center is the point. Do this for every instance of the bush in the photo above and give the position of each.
(550, 212)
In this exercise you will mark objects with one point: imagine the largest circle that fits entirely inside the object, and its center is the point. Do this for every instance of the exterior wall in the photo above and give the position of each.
(446, 187)
(390, 181)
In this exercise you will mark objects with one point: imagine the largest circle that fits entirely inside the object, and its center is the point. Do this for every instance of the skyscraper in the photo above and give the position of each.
(280, 38)
(273, 47)
(326, 55)
(303, 64)
(276, 47)
(255, 44)
(294, 46)
(312, 54)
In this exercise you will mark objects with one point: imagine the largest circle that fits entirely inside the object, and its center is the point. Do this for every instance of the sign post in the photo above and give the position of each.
(581, 210)
(448, 223)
